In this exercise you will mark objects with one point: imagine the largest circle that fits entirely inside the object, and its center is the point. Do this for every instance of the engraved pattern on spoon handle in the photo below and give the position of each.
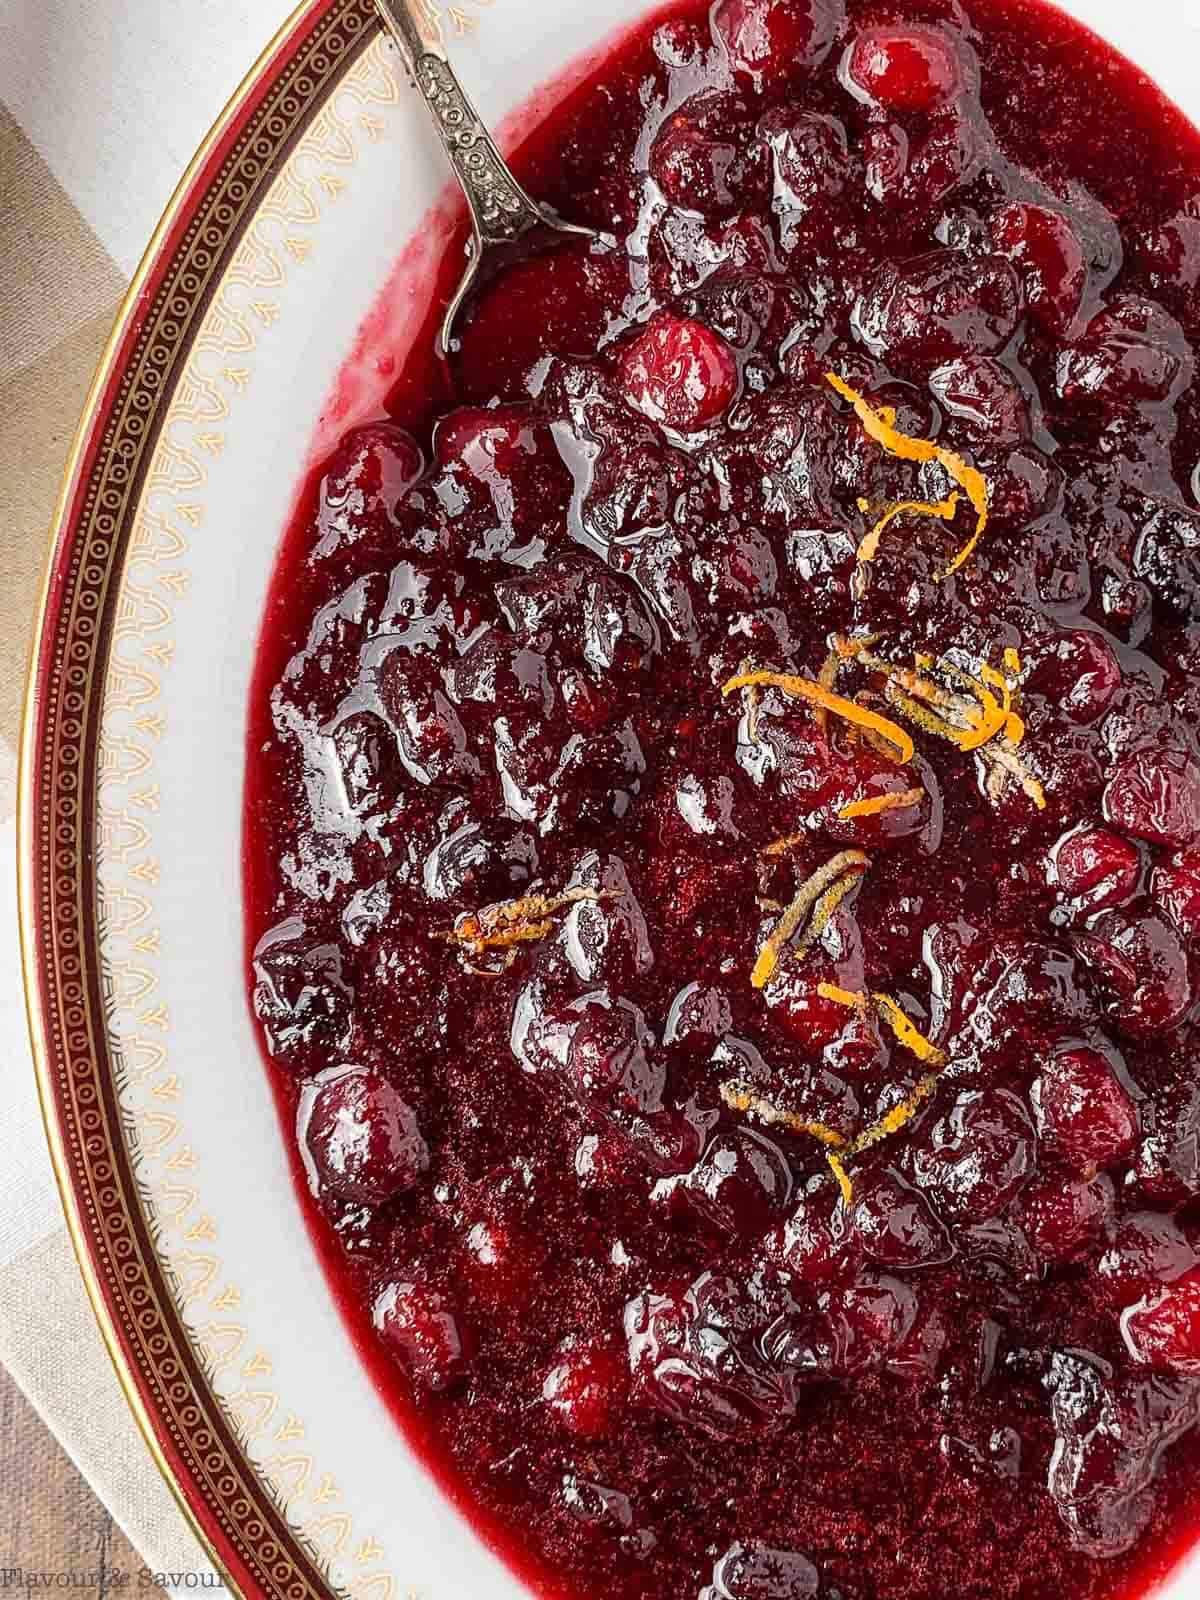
(500, 208)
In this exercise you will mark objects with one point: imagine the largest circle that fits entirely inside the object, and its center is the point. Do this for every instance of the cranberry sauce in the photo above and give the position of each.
(723, 830)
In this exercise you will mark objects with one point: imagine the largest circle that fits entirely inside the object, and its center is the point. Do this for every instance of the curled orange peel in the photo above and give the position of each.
(808, 689)
(881, 426)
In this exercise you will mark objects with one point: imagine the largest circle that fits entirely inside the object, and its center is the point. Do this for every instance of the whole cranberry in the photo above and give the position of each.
(696, 1353)
(1022, 985)
(1077, 670)
(935, 307)
(485, 440)
(1131, 353)
(906, 69)
(705, 157)
(1095, 867)
(1167, 559)
(955, 148)
(853, 1330)
(1172, 251)
(1143, 1251)
(678, 372)
(983, 394)
(363, 1140)
(896, 1225)
(369, 471)
(1086, 1110)
(769, 40)
(301, 998)
(812, 1020)
(1155, 794)
(741, 1183)
(585, 1387)
(1060, 1216)
(1163, 1330)
(819, 1243)
(1025, 484)
(1047, 252)
(367, 762)
(1175, 888)
(977, 1157)
(1113, 1429)
(420, 1329)
(1167, 1160)
(1144, 967)
(885, 150)
(611, 1065)
(810, 154)
(860, 1053)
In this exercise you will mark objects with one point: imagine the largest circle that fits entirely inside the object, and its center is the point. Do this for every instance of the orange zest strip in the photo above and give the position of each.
(849, 648)
(896, 1118)
(514, 922)
(908, 1035)
(739, 1097)
(989, 725)
(1014, 726)
(780, 847)
(806, 897)
(881, 426)
(807, 689)
(900, 1115)
(1009, 761)
(827, 681)
(843, 1178)
(919, 714)
(751, 702)
(1012, 661)
(876, 803)
(946, 510)
(841, 997)
(824, 909)
(919, 686)
(901, 1026)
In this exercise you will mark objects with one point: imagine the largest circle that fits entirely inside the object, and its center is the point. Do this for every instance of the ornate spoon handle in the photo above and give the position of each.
(501, 211)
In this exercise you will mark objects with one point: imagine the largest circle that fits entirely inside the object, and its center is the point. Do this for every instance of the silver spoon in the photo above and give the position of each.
(506, 224)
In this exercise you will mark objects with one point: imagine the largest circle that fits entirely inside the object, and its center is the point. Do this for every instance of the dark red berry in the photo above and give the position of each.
(678, 372)
(768, 40)
(585, 1386)
(1047, 252)
(362, 1139)
(1175, 888)
(1095, 867)
(1163, 1330)
(1084, 1108)
(1155, 794)
(418, 1326)
(906, 68)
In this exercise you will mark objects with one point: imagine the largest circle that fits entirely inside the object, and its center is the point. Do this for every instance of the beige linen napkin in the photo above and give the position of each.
(101, 107)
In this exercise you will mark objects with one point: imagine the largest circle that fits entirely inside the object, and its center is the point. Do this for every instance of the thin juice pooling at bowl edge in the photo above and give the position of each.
(723, 830)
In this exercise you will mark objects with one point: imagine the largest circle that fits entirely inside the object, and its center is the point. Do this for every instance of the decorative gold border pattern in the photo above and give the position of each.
(154, 582)
(95, 645)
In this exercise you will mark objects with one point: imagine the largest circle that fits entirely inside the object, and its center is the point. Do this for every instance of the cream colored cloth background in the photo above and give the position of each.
(101, 108)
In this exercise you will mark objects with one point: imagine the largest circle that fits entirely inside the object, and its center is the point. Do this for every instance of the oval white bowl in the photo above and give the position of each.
(206, 1142)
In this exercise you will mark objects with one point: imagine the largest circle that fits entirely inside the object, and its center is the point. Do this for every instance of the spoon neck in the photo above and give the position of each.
(501, 211)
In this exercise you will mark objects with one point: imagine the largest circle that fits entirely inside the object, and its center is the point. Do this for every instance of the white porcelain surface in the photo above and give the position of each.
(361, 1496)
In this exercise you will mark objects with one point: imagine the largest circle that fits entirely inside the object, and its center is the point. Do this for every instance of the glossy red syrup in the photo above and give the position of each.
(513, 858)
